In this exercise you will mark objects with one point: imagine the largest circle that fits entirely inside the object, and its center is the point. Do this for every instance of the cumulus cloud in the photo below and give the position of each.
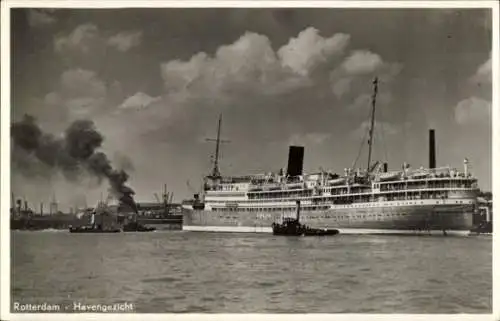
(361, 62)
(309, 49)
(357, 69)
(40, 17)
(81, 83)
(247, 65)
(476, 110)
(87, 39)
(80, 92)
(179, 75)
(138, 101)
(124, 41)
(250, 64)
(483, 73)
(81, 39)
(473, 110)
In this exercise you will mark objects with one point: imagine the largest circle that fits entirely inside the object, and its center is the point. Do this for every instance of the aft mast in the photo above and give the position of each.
(372, 124)
(215, 171)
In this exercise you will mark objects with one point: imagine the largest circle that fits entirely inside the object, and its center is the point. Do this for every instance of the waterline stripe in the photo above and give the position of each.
(355, 231)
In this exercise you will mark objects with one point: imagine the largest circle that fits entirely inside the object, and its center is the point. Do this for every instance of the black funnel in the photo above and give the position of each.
(432, 149)
(295, 161)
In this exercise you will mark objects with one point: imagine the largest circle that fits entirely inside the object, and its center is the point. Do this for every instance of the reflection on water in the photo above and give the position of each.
(207, 272)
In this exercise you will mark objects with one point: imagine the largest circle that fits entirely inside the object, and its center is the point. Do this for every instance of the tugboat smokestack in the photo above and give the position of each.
(432, 149)
(298, 211)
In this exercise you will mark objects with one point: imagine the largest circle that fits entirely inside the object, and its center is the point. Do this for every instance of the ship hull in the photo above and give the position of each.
(454, 217)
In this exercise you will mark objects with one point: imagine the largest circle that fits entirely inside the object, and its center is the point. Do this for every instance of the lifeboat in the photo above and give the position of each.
(337, 181)
(389, 176)
(419, 175)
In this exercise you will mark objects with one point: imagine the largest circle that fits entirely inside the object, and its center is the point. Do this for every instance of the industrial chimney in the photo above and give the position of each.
(295, 161)
(432, 149)
(19, 206)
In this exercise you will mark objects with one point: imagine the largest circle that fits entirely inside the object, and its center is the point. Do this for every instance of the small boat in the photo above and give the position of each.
(137, 227)
(483, 228)
(92, 229)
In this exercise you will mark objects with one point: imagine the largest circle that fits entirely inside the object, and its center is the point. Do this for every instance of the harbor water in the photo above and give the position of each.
(189, 272)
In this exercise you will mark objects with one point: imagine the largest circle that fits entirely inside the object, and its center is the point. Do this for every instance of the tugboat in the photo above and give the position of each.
(292, 227)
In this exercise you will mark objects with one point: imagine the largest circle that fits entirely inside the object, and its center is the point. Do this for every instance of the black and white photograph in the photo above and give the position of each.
(271, 158)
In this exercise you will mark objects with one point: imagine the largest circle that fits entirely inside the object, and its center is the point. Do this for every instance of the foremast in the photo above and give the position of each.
(215, 170)
(215, 176)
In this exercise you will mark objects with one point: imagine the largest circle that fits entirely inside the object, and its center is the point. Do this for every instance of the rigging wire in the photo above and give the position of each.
(384, 143)
(360, 149)
(362, 142)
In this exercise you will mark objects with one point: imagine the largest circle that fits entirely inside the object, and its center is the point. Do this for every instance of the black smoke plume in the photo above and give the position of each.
(74, 153)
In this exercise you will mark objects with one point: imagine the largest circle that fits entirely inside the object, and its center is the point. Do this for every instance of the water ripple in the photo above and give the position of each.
(230, 273)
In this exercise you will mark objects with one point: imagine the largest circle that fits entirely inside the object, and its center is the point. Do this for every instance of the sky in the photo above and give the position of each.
(154, 82)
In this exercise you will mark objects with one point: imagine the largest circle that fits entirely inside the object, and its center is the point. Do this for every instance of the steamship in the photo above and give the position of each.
(372, 201)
